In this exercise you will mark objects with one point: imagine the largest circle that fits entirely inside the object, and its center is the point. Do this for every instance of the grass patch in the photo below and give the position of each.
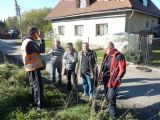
(15, 102)
(100, 53)
(49, 44)
(81, 112)
(155, 54)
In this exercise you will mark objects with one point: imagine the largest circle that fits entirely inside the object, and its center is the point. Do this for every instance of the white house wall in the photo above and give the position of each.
(115, 25)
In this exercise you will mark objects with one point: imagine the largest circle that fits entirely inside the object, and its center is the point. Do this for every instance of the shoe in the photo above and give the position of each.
(84, 94)
(53, 82)
(60, 83)
(90, 98)
(112, 118)
(39, 108)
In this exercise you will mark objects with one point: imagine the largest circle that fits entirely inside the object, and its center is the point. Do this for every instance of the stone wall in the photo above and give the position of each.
(121, 41)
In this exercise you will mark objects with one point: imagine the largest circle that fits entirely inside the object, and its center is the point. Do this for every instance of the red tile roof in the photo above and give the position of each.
(67, 8)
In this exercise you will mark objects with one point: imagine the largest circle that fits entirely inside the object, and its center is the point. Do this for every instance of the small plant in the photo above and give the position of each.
(80, 112)
(133, 56)
(7, 70)
(78, 45)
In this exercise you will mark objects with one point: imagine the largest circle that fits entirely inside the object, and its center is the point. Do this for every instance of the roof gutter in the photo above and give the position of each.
(131, 14)
(146, 13)
(129, 18)
(91, 13)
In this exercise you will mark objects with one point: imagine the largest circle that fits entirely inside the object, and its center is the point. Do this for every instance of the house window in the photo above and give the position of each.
(101, 29)
(147, 24)
(61, 30)
(79, 30)
(159, 21)
(145, 3)
(83, 3)
(153, 23)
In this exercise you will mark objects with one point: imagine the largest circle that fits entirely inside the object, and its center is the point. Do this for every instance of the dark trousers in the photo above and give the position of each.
(111, 98)
(36, 87)
(71, 77)
(54, 66)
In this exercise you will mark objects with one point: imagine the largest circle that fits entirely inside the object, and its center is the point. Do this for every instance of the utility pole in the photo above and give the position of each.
(18, 15)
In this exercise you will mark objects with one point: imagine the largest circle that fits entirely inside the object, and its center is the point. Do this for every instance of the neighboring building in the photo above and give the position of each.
(95, 19)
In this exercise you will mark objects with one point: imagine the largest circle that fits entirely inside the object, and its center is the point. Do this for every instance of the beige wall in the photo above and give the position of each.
(138, 21)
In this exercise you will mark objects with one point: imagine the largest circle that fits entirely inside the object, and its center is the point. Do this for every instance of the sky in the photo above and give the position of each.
(7, 7)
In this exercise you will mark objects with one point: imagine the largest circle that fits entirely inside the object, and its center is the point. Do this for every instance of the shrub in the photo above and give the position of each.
(129, 116)
(32, 114)
(133, 56)
(7, 70)
(78, 45)
(80, 112)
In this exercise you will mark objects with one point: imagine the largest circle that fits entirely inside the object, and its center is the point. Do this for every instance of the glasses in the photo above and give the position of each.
(68, 46)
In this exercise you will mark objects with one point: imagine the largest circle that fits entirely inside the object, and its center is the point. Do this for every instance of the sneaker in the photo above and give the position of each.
(90, 98)
(39, 108)
(84, 94)
(53, 83)
(60, 83)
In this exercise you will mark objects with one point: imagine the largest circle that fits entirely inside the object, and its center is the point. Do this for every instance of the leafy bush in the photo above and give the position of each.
(129, 116)
(19, 78)
(7, 70)
(78, 45)
(80, 112)
(133, 56)
(32, 114)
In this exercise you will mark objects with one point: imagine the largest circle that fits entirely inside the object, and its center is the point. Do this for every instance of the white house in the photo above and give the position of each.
(94, 20)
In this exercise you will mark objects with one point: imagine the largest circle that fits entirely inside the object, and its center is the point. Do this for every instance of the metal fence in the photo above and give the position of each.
(149, 48)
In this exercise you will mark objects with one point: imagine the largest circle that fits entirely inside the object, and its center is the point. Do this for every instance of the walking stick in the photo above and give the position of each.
(76, 87)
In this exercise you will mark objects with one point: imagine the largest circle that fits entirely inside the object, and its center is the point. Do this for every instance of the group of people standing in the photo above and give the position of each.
(70, 63)
(73, 62)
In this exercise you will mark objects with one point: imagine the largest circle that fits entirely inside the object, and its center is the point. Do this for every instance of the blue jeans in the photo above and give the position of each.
(112, 93)
(87, 84)
(54, 66)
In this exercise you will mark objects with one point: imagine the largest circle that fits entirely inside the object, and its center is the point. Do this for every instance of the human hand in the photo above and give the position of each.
(41, 35)
(119, 80)
(64, 71)
(50, 51)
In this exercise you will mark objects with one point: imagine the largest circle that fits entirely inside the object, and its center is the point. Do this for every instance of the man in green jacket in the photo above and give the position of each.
(87, 63)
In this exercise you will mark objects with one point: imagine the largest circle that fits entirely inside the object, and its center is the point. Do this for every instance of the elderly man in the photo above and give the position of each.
(70, 59)
(112, 70)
